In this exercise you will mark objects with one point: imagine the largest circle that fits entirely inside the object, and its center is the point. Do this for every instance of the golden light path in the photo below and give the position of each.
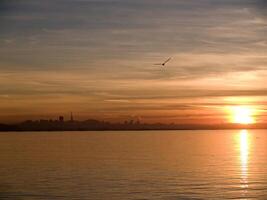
(244, 147)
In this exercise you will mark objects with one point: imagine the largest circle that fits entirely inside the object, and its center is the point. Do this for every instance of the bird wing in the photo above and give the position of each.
(167, 60)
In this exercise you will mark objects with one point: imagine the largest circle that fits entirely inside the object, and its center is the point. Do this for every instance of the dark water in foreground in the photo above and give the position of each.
(134, 165)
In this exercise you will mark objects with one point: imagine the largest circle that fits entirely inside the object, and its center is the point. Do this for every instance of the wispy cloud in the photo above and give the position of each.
(83, 53)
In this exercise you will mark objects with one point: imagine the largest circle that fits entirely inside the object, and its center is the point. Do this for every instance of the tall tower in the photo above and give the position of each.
(71, 117)
(61, 118)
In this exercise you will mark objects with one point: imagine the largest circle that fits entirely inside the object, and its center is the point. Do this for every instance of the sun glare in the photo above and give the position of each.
(242, 115)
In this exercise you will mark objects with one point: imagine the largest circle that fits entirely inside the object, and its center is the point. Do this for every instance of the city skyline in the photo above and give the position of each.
(64, 124)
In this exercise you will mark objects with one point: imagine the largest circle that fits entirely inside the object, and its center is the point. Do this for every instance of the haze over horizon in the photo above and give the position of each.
(96, 58)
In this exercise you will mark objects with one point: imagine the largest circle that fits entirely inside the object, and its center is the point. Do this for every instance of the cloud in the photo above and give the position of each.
(261, 5)
(79, 31)
(86, 52)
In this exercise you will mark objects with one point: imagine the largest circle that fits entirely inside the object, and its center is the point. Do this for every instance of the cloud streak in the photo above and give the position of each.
(101, 53)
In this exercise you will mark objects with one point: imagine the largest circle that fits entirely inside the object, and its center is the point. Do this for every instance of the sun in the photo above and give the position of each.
(242, 115)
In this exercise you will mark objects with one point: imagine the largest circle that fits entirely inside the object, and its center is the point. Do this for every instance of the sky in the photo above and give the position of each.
(96, 58)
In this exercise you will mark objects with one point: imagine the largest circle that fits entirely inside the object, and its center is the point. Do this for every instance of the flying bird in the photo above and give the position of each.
(164, 63)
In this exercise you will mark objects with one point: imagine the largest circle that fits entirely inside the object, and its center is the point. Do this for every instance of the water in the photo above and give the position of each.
(169, 165)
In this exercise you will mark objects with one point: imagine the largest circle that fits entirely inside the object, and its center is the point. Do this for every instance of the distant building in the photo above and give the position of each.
(61, 118)
(71, 117)
(137, 122)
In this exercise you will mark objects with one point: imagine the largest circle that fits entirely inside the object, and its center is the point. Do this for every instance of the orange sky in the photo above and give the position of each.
(97, 60)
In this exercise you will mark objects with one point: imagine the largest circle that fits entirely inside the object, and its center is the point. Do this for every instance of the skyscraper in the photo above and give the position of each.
(71, 117)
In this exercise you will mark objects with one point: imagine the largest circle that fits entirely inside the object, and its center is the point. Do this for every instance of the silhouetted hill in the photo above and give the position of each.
(5, 127)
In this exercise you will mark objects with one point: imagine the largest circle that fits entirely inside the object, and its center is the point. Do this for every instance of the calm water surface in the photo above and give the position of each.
(169, 165)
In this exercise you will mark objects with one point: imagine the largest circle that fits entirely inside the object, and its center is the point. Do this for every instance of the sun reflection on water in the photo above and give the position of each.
(244, 144)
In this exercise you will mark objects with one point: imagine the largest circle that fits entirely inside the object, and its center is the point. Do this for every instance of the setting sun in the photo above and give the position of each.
(242, 115)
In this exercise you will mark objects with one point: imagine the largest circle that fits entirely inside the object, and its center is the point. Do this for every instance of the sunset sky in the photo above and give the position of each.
(96, 58)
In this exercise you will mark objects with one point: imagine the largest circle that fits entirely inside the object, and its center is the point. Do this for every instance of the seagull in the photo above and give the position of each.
(164, 63)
